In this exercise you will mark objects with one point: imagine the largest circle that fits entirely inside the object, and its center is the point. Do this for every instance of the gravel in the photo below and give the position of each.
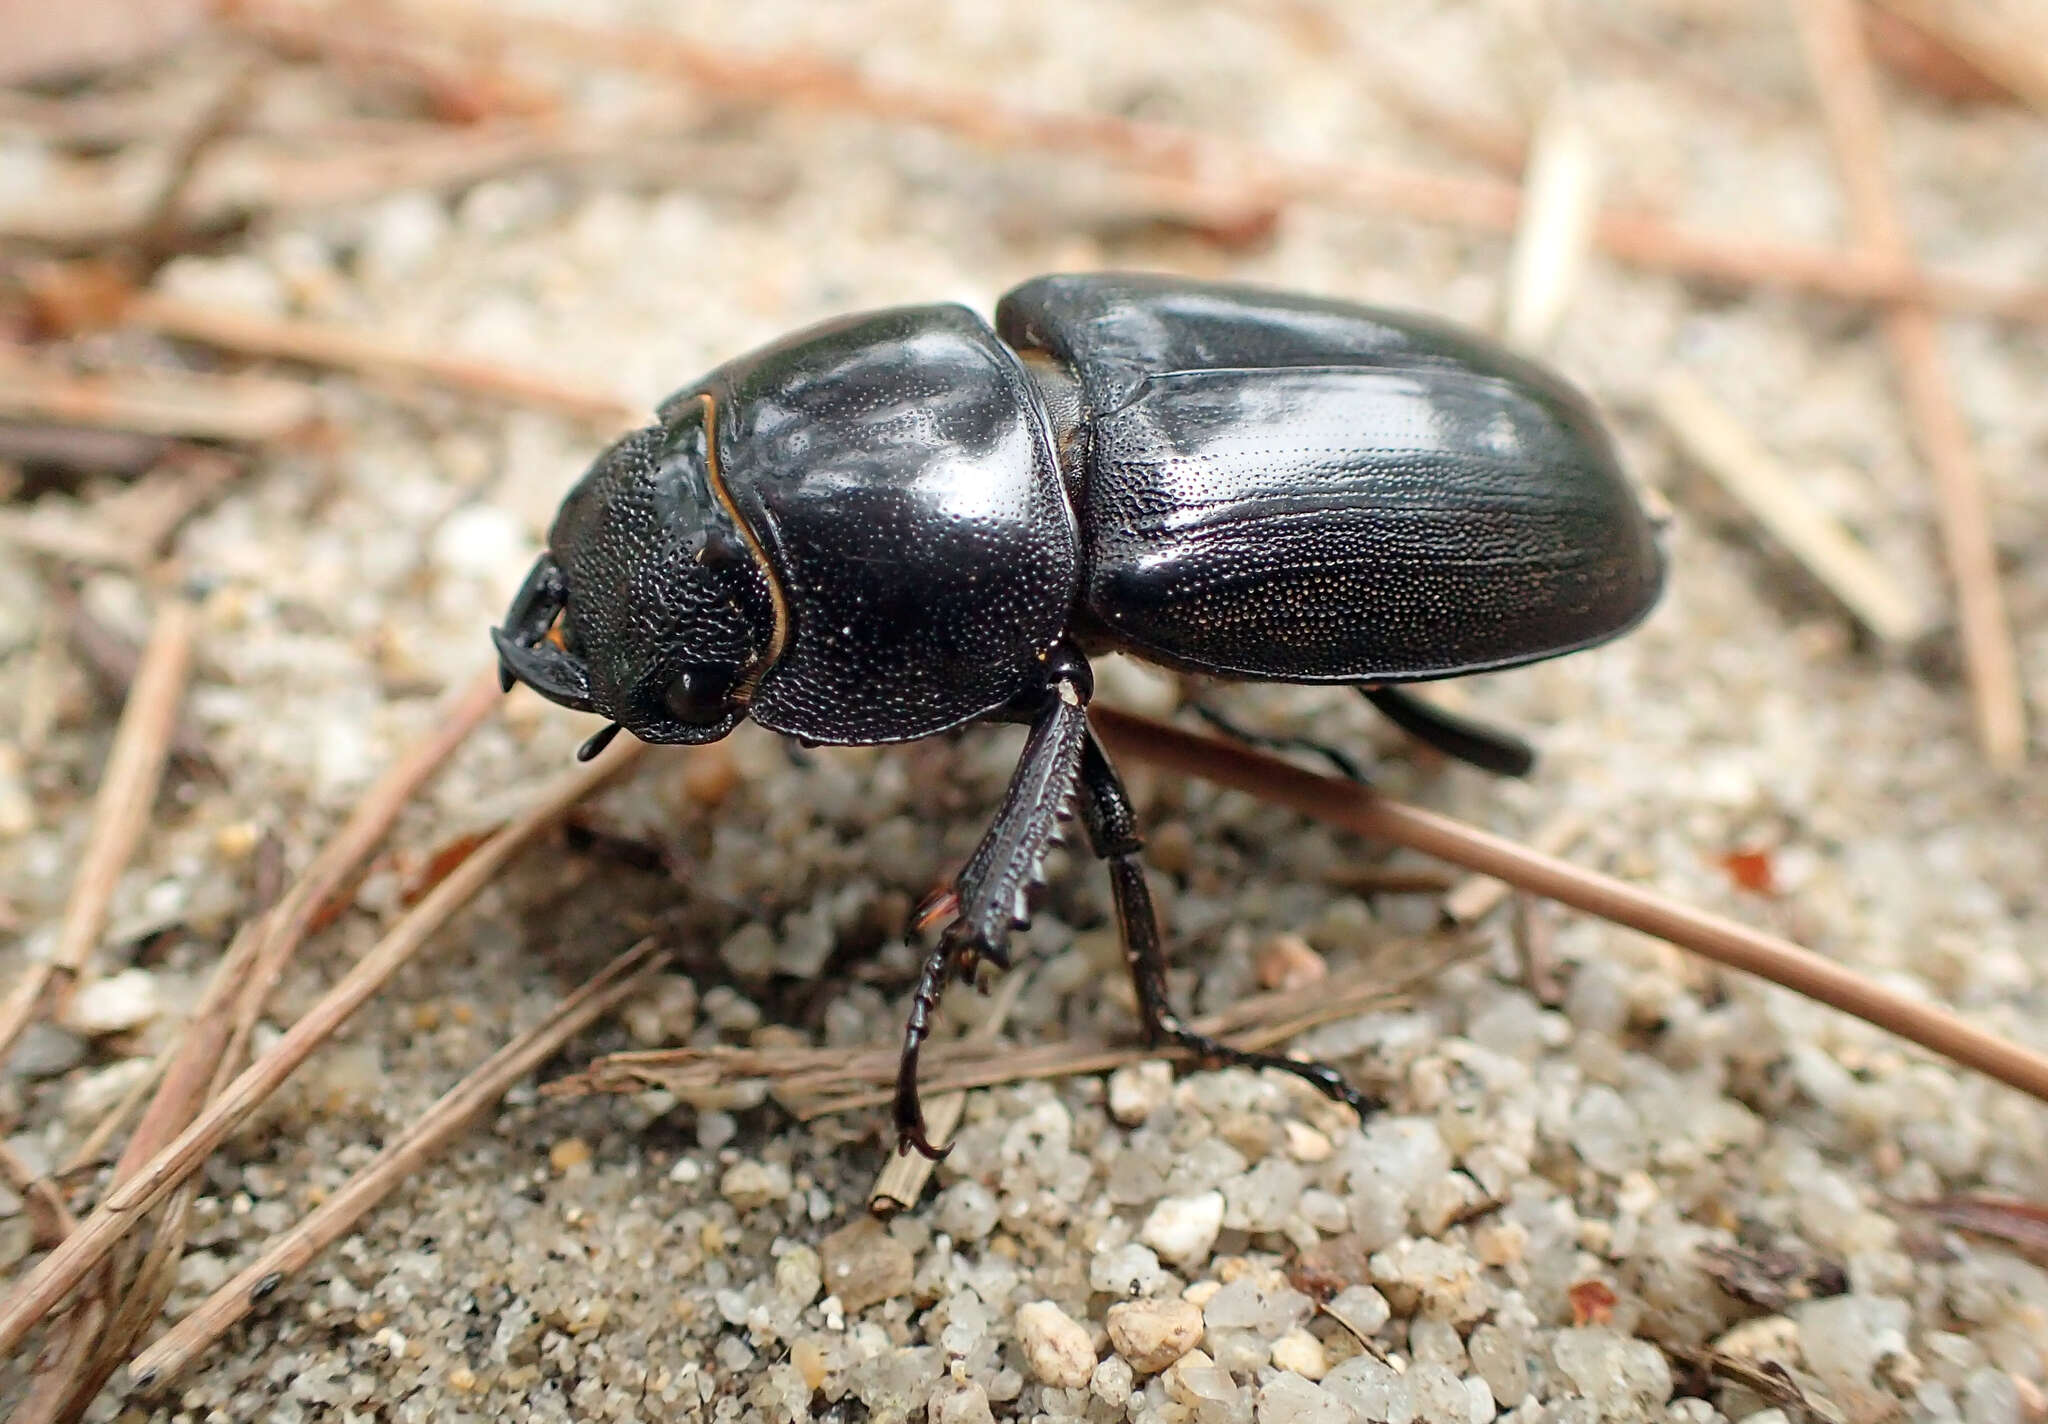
(1535, 1229)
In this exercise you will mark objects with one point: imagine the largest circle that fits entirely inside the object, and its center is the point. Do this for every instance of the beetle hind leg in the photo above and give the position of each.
(1488, 748)
(1113, 833)
(1340, 761)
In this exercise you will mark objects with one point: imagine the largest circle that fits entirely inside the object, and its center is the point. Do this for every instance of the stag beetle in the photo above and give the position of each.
(898, 522)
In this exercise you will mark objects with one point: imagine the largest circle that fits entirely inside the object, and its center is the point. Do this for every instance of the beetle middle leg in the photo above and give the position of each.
(1113, 834)
(992, 894)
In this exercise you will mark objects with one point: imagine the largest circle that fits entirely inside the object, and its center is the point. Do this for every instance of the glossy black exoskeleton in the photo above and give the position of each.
(899, 522)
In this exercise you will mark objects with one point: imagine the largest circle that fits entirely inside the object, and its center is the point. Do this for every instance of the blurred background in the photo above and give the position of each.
(310, 313)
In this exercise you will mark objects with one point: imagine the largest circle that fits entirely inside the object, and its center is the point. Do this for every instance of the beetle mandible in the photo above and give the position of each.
(899, 522)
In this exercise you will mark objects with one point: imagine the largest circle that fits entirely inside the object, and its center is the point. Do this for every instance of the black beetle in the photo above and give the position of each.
(898, 522)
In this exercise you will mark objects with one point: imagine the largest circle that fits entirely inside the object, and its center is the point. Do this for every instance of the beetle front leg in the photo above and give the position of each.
(991, 897)
(1113, 833)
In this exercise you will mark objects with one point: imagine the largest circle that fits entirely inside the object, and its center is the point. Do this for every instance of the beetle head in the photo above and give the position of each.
(666, 617)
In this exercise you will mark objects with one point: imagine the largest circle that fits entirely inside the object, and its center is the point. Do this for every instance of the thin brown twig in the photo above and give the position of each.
(397, 1163)
(1475, 897)
(131, 528)
(94, 1337)
(242, 409)
(1369, 813)
(58, 1369)
(1488, 204)
(1992, 41)
(205, 1057)
(369, 161)
(1833, 37)
(87, 1153)
(286, 339)
(457, 89)
(121, 810)
(103, 1230)
(109, 660)
(162, 228)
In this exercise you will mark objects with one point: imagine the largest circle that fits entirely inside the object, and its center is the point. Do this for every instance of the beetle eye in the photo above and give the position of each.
(700, 694)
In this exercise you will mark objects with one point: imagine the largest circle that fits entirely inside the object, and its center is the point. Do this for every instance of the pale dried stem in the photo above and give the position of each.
(395, 1165)
(1368, 813)
(817, 1082)
(100, 1232)
(804, 79)
(120, 814)
(1715, 441)
(1561, 198)
(1833, 35)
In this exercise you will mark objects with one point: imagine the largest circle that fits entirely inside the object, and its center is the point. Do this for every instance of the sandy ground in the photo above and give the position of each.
(633, 1258)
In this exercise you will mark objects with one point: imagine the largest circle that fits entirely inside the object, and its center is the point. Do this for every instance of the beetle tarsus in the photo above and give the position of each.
(1113, 833)
(939, 966)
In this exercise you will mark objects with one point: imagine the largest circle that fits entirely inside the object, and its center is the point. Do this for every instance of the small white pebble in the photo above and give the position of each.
(959, 1402)
(1638, 1193)
(1194, 1379)
(1055, 1345)
(1153, 1334)
(479, 541)
(1182, 1229)
(799, 1275)
(1112, 1382)
(92, 1097)
(1290, 1399)
(1500, 1243)
(1301, 1353)
(1287, 961)
(1137, 1090)
(1305, 1144)
(750, 1185)
(1127, 1271)
(115, 1004)
(1768, 1337)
